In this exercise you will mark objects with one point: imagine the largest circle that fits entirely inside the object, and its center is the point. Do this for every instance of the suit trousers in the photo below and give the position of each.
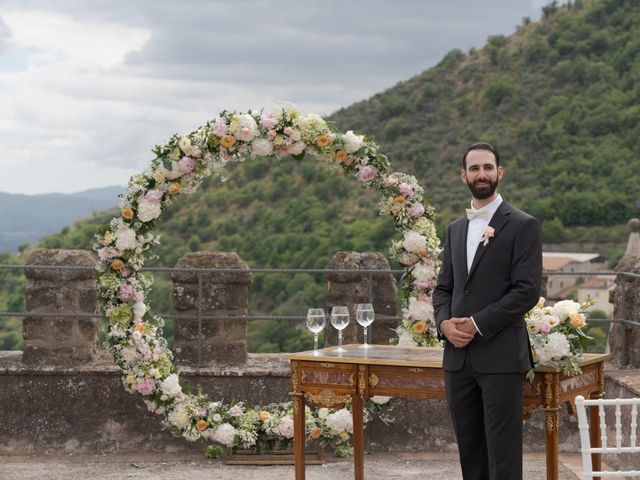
(486, 410)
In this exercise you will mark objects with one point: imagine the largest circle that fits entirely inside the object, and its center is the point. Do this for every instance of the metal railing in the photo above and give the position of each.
(200, 272)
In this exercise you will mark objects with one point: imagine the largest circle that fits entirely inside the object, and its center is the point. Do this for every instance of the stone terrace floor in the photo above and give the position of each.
(378, 466)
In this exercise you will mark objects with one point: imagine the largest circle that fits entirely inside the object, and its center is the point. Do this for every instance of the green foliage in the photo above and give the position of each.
(12, 299)
(558, 98)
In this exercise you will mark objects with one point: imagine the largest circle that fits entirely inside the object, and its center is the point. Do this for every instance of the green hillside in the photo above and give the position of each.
(559, 98)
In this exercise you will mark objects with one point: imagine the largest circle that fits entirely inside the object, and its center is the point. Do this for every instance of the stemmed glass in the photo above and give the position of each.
(365, 316)
(340, 320)
(316, 321)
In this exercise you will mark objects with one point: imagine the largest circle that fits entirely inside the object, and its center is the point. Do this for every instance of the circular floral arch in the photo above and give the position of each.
(135, 335)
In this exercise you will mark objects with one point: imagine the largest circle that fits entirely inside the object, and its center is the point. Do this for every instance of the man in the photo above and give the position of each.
(490, 277)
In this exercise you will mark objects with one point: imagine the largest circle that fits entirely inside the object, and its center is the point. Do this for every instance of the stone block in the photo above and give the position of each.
(349, 289)
(222, 260)
(82, 265)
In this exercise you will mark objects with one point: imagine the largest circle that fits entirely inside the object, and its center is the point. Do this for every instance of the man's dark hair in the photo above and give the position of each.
(480, 146)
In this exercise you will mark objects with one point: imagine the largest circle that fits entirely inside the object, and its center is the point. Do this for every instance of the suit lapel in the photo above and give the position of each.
(499, 219)
(461, 246)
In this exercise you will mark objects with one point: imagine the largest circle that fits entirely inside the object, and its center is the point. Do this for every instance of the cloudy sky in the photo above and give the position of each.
(87, 87)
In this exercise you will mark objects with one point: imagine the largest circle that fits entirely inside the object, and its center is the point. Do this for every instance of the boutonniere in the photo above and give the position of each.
(488, 233)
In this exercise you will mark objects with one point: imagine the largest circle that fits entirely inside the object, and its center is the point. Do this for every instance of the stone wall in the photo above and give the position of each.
(64, 395)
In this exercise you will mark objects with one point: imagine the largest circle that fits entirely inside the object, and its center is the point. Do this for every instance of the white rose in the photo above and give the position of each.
(414, 242)
(244, 127)
(380, 400)
(423, 273)
(126, 239)
(405, 338)
(170, 386)
(179, 417)
(352, 142)
(262, 147)
(296, 136)
(297, 148)
(420, 310)
(148, 210)
(285, 429)
(185, 145)
(323, 413)
(565, 308)
(139, 309)
(225, 434)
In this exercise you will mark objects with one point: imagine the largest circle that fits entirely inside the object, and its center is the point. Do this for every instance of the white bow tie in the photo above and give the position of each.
(473, 213)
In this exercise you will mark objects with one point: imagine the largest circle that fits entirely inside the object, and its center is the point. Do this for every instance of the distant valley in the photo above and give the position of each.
(28, 218)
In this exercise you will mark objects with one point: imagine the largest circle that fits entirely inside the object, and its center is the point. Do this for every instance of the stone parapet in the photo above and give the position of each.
(624, 339)
(56, 339)
(350, 289)
(223, 294)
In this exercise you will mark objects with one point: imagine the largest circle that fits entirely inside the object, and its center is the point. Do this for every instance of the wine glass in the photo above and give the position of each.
(340, 320)
(365, 316)
(316, 321)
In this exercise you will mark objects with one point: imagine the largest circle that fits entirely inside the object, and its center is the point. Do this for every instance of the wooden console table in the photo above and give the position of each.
(331, 379)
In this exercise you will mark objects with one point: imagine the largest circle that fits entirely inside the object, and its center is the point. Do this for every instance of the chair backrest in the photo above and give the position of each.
(632, 445)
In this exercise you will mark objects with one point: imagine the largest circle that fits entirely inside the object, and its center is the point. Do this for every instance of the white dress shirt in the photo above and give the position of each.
(475, 232)
(477, 226)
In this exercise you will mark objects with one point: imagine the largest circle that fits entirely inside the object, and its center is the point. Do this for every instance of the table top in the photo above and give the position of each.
(402, 355)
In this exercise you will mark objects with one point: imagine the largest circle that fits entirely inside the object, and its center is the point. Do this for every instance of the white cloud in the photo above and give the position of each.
(87, 88)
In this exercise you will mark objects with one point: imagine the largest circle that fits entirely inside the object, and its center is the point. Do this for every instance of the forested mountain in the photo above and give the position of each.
(559, 98)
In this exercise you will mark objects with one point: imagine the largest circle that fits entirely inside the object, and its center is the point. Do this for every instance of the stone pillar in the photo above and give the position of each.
(352, 288)
(60, 341)
(624, 340)
(223, 294)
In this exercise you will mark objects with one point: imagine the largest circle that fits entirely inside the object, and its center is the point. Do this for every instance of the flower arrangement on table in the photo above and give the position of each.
(556, 334)
(134, 335)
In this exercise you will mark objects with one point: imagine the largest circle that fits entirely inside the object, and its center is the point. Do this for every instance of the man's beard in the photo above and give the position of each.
(483, 191)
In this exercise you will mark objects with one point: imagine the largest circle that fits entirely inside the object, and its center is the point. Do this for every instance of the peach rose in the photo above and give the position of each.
(419, 327)
(201, 425)
(127, 213)
(174, 188)
(315, 433)
(341, 155)
(323, 140)
(399, 200)
(228, 141)
(577, 320)
(139, 327)
(117, 264)
(264, 415)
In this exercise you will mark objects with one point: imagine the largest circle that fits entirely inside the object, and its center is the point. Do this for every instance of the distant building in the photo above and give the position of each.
(598, 289)
(561, 286)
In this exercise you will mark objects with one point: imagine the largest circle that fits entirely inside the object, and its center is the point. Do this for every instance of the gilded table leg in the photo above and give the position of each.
(298, 423)
(358, 437)
(552, 423)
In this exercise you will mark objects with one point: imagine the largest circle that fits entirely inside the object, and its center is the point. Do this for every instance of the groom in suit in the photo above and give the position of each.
(490, 277)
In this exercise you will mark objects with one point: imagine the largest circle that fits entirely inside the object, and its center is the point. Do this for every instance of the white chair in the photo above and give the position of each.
(587, 449)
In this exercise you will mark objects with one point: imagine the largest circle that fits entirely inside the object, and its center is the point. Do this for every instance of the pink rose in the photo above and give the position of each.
(268, 122)
(367, 174)
(220, 127)
(126, 293)
(146, 386)
(186, 164)
(103, 254)
(153, 195)
(405, 189)
(416, 210)
(271, 134)
(288, 130)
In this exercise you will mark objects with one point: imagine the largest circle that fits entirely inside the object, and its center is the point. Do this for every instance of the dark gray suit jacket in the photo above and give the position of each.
(502, 285)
